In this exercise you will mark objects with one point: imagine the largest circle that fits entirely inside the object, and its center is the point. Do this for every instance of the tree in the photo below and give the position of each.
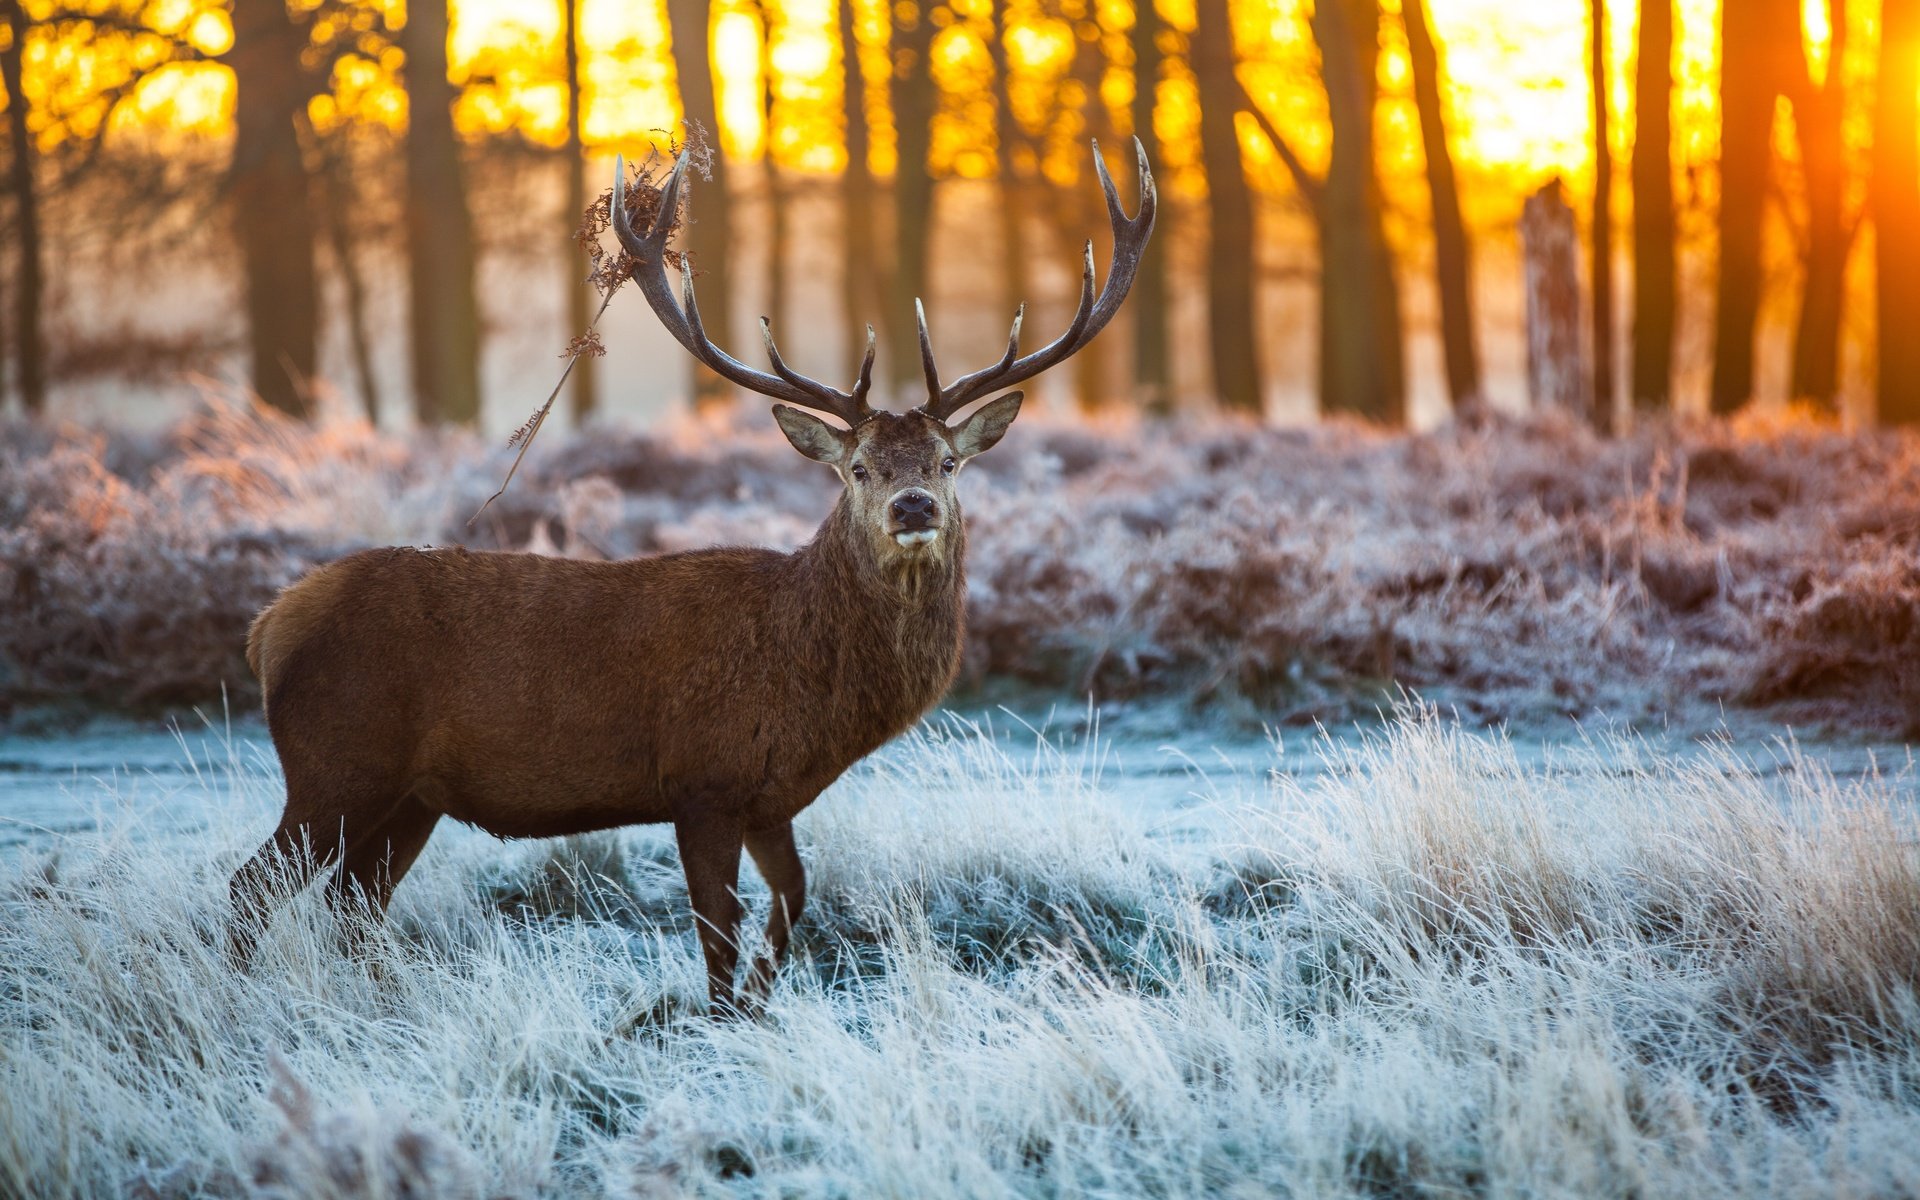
(1653, 229)
(271, 201)
(1602, 223)
(70, 109)
(1230, 252)
(585, 379)
(445, 315)
(1152, 375)
(778, 235)
(706, 238)
(859, 293)
(1818, 109)
(29, 279)
(340, 200)
(915, 97)
(1756, 37)
(1362, 359)
(1452, 256)
(1075, 212)
(1896, 215)
(1010, 138)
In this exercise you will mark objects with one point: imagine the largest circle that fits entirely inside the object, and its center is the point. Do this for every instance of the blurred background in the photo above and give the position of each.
(1392, 208)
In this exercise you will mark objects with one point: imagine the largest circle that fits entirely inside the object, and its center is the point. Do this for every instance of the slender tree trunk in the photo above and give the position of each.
(914, 102)
(1075, 215)
(707, 234)
(585, 379)
(1452, 255)
(859, 281)
(1896, 215)
(1653, 231)
(1817, 115)
(272, 205)
(778, 235)
(1752, 36)
(1362, 361)
(1152, 372)
(1015, 286)
(29, 280)
(338, 203)
(1602, 224)
(445, 312)
(1230, 251)
(1558, 376)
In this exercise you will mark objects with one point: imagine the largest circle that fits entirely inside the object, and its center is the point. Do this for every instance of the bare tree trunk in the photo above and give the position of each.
(29, 280)
(1557, 374)
(1896, 215)
(445, 312)
(1817, 114)
(706, 236)
(1230, 252)
(1602, 224)
(272, 206)
(1015, 286)
(1074, 215)
(1653, 232)
(1362, 361)
(1751, 38)
(777, 199)
(914, 102)
(1152, 374)
(338, 202)
(1452, 256)
(859, 284)
(585, 379)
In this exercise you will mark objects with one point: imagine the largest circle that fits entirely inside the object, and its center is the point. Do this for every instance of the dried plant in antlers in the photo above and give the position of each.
(643, 196)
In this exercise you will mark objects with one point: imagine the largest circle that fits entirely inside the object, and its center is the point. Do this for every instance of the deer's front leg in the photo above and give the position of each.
(710, 855)
(779, 863)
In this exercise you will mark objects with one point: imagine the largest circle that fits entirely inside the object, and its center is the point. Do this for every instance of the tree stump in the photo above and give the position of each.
(1557, 372)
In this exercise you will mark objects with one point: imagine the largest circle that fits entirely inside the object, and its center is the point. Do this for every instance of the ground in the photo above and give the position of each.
(1519, 931)
(1425, 961)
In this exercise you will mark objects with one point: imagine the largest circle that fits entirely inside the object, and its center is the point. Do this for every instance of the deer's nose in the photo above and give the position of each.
(914, 509)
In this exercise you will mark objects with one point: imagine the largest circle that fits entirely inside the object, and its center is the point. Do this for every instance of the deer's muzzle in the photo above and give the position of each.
(915, 517)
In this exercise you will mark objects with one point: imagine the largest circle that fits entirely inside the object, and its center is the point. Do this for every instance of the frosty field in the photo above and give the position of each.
(1418, 961)
(1417, 957)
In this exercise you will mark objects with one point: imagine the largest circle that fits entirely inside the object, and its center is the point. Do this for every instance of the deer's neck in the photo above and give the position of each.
(887, 628)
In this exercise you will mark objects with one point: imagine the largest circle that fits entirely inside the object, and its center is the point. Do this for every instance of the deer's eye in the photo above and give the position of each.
(859, 473)
(948, 466)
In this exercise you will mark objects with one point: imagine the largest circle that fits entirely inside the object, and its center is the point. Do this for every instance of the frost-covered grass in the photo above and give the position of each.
(1515, 572)
(1429, 970)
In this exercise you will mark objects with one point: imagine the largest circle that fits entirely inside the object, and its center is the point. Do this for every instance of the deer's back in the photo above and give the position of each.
(535, 695)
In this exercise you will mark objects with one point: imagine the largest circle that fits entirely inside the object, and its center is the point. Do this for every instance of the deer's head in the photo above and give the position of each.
(898, 468)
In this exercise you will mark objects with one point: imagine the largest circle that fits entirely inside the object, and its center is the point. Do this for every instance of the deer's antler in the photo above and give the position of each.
(649, 252)
(1129, 242)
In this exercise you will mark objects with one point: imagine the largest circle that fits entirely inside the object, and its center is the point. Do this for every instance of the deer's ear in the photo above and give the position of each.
(811, 436)
(978, 433)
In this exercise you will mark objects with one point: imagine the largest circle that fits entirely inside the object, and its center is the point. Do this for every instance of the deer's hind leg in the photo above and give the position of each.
(377, 859)
(320, 823)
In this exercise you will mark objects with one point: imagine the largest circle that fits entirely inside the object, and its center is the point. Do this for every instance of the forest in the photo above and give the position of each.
(342, 197)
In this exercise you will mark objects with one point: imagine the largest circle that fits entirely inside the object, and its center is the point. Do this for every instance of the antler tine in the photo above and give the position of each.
(865, 380)
(850, 407)
(1091, 315)
(926, 349)
(682, 317)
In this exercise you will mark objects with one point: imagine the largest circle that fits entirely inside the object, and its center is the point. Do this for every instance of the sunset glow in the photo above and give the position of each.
(1516, 81)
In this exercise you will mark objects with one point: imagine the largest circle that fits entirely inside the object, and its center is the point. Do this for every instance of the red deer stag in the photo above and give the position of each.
(718, 689)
